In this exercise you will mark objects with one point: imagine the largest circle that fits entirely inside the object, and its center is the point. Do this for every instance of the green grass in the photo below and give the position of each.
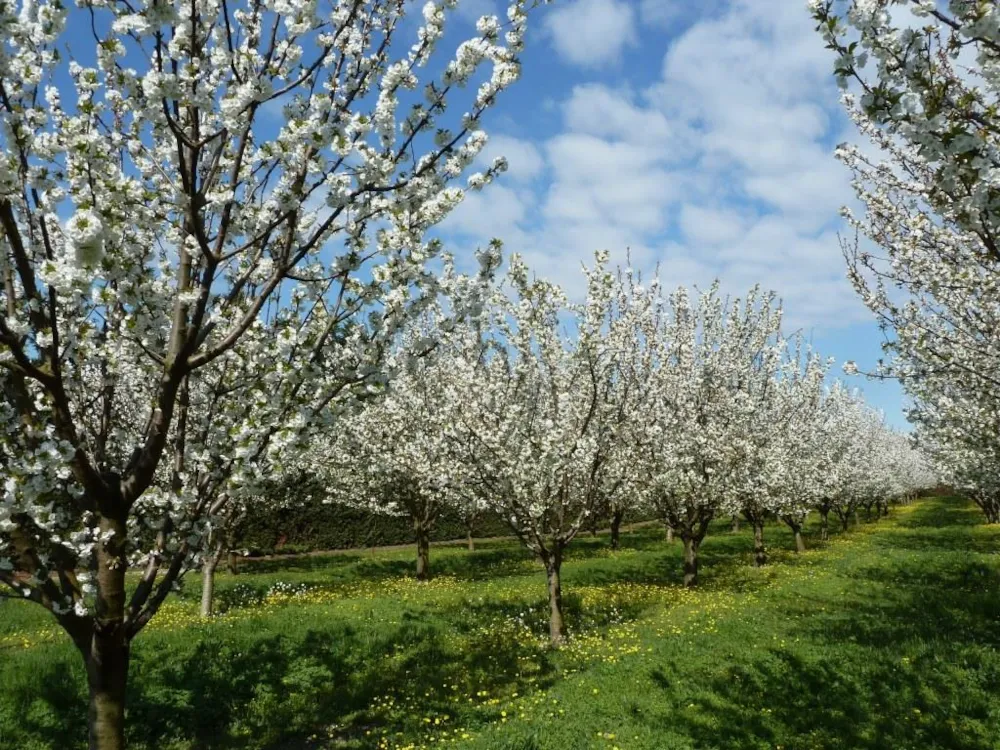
(885, 638)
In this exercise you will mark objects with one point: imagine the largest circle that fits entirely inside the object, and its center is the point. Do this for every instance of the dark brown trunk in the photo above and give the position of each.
(691, 561)
(107, 655)
(759, 553)
(616, 527)
(232, 562)
(423, 553)
(107, 676)
(557, 625)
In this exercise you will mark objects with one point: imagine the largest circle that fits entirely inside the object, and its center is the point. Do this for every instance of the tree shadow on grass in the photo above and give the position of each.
(250, 686)
(944, 512)
(906, 657)
(278, 690)
(262, 687)
(849, 700)
(52, 718)
(953, 526)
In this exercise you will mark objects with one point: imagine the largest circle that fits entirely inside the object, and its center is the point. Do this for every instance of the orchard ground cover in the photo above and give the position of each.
(884, 637)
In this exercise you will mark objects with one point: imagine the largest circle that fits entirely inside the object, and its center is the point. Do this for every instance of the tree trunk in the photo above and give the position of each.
(670, 534)
(471, 542)
(616, 527)
(735, 525)
(557, 626)
(845, 522)
(208, 568)
(107, 654)
(759, 553)
(691, 561)
(423, 553)
(800, 545)
(232, 562)
(824, 524)
(107, 676)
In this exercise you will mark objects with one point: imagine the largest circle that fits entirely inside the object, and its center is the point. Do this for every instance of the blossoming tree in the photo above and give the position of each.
(169, 250)
(391, 454)
(775, 476)
(923, 85)
(695, 419)
(536, 411)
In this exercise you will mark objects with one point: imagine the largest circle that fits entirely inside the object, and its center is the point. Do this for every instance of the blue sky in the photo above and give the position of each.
(700, 136)
(697, 135)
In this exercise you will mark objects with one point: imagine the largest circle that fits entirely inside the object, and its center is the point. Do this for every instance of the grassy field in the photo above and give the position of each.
(887, 637)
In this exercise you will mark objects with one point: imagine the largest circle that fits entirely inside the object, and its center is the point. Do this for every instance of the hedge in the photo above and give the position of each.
(313, 525)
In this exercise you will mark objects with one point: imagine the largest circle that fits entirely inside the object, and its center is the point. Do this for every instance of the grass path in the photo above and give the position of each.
(885, 638)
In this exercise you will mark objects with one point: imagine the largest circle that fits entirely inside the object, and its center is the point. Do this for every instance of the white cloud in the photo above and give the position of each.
(722, 167)
(750, 93)
(614, 184)
(494, 212)
(710, 226)
(591, 33)
(598, 110)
